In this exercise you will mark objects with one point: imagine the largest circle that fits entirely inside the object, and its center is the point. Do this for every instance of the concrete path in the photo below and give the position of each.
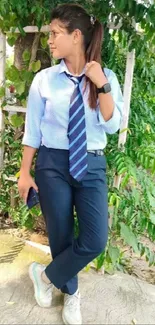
(117, 299)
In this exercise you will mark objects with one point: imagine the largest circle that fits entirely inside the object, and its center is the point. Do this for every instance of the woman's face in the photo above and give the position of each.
(60, 42)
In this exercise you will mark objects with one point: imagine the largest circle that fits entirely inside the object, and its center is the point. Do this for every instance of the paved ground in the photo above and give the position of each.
(117, 299)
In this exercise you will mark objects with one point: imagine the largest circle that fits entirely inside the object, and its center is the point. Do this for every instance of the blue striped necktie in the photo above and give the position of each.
(77, 133)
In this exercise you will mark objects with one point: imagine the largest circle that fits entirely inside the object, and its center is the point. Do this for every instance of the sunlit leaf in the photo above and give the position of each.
(43, 41)
(152, 217)
(35, 66)
(26, 55)
(129, 237)
(16, 120)
(113, 253)
(20, 87)
(2, 92)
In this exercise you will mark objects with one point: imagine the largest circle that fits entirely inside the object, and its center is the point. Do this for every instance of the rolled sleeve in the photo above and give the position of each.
(113, 124)
(35, 110)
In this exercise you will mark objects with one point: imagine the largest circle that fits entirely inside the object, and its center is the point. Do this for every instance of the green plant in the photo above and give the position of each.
(23, 217)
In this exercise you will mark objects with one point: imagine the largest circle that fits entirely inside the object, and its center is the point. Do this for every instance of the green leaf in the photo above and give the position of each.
(35, 66)
(11, 40)
(26, 75)
(24, 102)
(126, 129)
(23, 33)
(147, 253)
(152, 217)
(16, 120)
(117, 202)
(121, 164)
(100, 260)
(153, 166)
(147, 162)
(151, 200)
(2, 92)
(13, 74)
(125, 180)
(26, 55)
(129, 237)
(142, 250)
(20, 88)
(119, 160)
(114, 253)
(112, 199)
(144, 223)
(33, 9)
(122, 171)
(151, 258)
(87, 268)
(44, 42)
(150, 229)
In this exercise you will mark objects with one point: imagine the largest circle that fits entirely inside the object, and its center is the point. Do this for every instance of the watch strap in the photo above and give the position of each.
(106, 88)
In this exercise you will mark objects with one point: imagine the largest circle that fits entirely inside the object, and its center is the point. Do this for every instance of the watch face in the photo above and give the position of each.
(107, 88)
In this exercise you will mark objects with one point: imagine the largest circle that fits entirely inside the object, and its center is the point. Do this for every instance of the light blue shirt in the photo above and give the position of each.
(47, 113)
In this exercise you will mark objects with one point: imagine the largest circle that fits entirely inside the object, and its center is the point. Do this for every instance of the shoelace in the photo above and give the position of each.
(49, 291)
(72, 301)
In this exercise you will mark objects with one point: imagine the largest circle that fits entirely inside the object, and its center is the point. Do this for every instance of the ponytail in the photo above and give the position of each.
(93, 53)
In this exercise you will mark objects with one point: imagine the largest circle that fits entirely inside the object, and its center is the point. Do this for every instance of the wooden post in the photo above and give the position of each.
(2, 80)
(127, 99)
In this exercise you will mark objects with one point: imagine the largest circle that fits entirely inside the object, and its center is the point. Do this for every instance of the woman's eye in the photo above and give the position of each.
(52, 34)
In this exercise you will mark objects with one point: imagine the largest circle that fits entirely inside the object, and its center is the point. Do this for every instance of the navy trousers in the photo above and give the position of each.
(59, 193)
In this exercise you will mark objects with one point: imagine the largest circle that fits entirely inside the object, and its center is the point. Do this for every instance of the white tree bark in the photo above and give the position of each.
(14, 108)
(127, 99)
(2, 81)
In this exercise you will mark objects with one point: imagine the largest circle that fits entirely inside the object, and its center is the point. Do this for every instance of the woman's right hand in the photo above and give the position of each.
(24, 183)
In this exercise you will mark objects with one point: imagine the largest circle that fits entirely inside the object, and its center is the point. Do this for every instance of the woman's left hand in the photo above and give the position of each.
(95, 73)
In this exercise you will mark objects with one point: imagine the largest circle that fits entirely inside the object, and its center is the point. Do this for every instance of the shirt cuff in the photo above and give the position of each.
(31, 142)
(113, 124)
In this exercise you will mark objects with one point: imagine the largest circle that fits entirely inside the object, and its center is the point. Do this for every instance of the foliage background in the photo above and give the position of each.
(132, 207)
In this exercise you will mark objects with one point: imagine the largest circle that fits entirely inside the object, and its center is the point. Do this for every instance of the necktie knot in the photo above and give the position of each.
(75, 79)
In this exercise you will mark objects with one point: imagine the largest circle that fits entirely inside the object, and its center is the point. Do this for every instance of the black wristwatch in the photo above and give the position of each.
(104, 89)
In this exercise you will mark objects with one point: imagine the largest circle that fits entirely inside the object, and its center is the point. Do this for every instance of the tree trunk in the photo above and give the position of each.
(26, 43)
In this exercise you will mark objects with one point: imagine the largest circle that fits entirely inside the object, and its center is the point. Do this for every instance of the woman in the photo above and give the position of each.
(71, 107)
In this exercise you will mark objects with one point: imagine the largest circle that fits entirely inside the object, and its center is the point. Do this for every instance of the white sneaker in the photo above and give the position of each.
(71, 313)
(43, 291)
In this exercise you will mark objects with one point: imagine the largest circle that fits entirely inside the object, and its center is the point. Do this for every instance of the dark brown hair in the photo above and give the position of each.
(75, 17)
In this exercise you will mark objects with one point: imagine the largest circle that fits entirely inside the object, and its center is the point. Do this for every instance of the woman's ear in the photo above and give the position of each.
(77, 36)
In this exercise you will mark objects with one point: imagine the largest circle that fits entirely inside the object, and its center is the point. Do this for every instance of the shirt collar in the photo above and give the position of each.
(63, 68)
